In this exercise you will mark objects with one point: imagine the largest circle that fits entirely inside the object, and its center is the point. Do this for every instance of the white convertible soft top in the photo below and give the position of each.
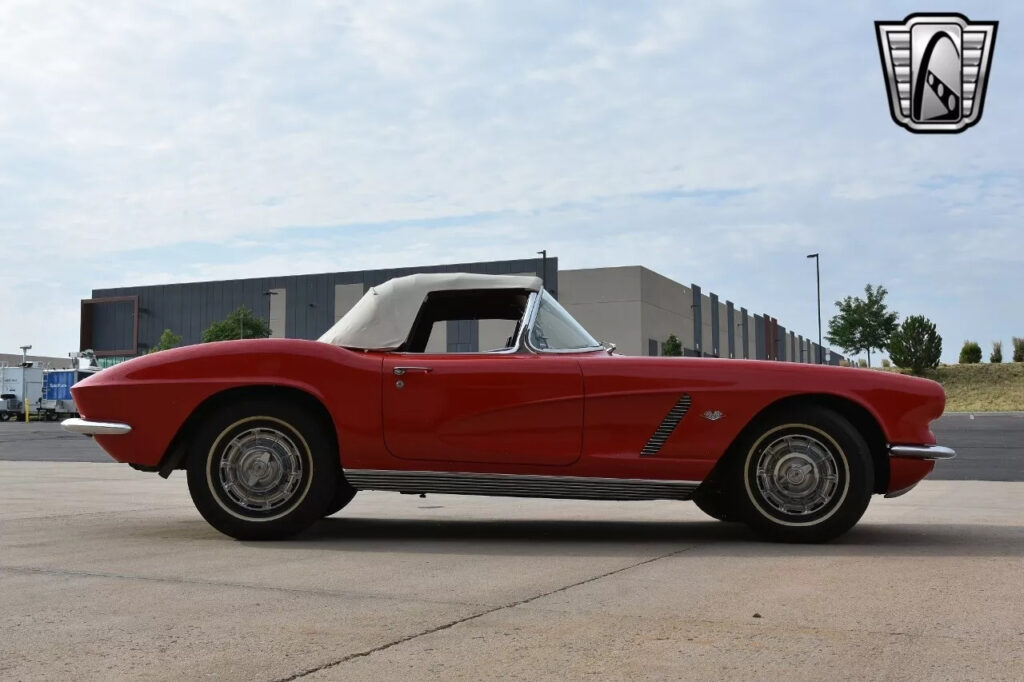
(383, 317)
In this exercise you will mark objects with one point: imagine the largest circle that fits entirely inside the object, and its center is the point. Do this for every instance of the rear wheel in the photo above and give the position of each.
(802, 476)
(262, 470)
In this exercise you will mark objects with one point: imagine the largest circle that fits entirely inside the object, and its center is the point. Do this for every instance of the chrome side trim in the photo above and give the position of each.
(922, 451)
(667, 426)
(91, 428)
(515, 485)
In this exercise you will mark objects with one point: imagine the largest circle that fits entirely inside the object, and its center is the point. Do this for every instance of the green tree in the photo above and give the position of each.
(167, 341)
(997, 353)
(863, 324)
(1018, 349)
(916, 345)
(970, 354)
(239, 324)
(672, 347)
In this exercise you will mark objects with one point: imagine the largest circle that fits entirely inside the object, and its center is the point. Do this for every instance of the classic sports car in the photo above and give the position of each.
(277, 433)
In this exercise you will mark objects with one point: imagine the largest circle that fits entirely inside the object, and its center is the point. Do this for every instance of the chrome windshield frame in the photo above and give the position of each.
(531, 315)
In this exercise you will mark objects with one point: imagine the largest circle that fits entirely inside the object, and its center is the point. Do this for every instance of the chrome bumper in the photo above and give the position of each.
(922, 451)
(91, 428)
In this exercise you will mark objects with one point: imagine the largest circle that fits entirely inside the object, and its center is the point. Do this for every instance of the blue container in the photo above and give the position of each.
(57, 385)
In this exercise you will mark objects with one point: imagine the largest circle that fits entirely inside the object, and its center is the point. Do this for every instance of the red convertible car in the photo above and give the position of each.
(277, 433)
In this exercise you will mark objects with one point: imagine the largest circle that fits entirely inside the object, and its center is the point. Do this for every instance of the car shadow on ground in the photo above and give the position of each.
(582, 537)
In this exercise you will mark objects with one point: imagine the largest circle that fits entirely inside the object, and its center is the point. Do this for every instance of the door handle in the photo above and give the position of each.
(399, 371)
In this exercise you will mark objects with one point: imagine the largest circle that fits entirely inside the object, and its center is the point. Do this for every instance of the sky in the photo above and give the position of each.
(717, 143)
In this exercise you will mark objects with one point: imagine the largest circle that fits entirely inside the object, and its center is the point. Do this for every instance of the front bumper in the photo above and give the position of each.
(922, 451)
(94, 428)
(908, 464)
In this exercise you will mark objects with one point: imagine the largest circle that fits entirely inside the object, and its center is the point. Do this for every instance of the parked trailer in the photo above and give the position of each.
(17, 383)
(56, 400)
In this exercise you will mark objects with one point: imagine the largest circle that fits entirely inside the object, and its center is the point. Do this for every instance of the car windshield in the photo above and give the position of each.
(555, 329)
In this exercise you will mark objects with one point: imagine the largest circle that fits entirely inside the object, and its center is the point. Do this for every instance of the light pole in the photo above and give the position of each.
(24, 378)
(817, 277)
(543, 253)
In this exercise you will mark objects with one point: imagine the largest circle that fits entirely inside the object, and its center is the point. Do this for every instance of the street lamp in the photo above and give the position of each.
(543, 253)
(817, 276)
(24, 378)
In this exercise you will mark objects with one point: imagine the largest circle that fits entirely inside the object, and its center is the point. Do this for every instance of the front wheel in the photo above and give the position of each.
(805, 475)
(262, 470)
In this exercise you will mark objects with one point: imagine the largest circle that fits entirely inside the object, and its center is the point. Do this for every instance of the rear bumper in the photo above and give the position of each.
(922, 451)
(94, 428)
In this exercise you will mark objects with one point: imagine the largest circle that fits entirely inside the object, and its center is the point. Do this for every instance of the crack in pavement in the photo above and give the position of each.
(459, 621)
(14, 519)
(32, 570)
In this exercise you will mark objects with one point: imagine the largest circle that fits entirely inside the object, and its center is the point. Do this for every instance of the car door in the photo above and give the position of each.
(486, 408)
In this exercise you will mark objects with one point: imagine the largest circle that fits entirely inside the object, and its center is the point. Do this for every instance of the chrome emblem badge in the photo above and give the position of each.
(936, 70)
(713, 415)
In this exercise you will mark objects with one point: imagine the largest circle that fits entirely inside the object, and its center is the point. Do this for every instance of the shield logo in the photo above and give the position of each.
(936, 70)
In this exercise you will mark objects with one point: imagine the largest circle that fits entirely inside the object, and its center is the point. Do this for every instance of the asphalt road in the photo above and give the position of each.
(990, 447)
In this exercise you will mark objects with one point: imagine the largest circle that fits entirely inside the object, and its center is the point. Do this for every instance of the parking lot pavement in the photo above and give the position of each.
(107, 573)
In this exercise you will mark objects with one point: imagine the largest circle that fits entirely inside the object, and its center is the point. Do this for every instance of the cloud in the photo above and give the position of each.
(151, 142)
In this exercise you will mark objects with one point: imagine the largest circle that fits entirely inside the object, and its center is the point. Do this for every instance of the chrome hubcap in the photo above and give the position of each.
(797, 475)
(261, 469)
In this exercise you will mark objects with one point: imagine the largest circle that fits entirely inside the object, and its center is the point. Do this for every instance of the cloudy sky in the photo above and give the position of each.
(716, 143)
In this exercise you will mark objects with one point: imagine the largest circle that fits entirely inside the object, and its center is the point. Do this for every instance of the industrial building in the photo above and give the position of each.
(633, 307)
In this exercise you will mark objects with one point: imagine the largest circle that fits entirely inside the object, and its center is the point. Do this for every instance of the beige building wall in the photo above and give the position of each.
(278, 313)
(751, 338)
(706, 316)
(493, 334)
(665, 310)
(438, 341)
(346, 296)
(606, 301)
(723, 330)
(631, 305)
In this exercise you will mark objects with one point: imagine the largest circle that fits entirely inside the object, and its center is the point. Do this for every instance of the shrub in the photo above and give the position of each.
(915, 345)
(997, 352)
(239, 324)
(970, 354)
(1018, 349)
(167, 341)
(886, 363)
(672, 347)
(844, 363)
(862, 362)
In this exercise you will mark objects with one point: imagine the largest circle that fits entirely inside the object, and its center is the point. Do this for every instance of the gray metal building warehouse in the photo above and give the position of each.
(633, 307)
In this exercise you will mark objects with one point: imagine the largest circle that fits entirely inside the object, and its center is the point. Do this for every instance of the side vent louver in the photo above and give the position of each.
(667, 426)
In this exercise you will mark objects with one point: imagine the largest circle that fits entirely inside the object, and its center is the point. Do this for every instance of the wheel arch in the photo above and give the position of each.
(175, 454)
(857, 414)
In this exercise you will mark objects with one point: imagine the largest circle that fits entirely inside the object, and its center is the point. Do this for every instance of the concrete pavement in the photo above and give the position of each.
(107, 573)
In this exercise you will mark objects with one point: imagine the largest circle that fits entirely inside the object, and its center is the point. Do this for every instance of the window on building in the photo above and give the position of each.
(652, 347)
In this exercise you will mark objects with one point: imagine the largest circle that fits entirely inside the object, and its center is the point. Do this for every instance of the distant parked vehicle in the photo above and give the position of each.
(47, 391)
(56, 401)
(19, 384)
(9, 404)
